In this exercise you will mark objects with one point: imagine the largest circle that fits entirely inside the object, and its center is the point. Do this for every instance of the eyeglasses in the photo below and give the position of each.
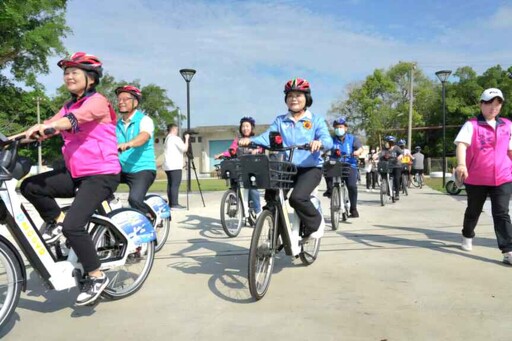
(125, 99)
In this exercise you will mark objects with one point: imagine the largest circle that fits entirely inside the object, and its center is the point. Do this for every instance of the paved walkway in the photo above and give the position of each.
(396, 273)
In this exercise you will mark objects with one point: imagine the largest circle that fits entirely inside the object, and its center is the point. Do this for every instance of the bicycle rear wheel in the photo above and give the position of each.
(415, 180)
(231, 217)
(127, 279)
(335, 207)
(162, 228)
(405, 180)
(345, 202)
(11, 281)
(262, 255)
(310, 249)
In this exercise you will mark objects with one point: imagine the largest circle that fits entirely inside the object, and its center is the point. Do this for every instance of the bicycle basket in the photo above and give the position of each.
(258, 171)
(230, 169)
(385, 167)
(334, 168)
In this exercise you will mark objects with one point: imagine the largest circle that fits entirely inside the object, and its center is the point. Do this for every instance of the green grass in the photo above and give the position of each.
(435, 184)
(206, 186)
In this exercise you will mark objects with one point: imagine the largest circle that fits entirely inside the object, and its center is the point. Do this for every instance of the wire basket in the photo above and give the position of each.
(258, 171)
(385, 167)
(230, 169)
(334, 168)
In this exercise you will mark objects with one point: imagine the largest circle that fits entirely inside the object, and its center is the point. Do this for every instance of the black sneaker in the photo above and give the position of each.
(178, 208)
(354, 214)
(52, 233)
(92, 287)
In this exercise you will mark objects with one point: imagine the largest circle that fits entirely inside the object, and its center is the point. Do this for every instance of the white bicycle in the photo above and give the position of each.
(235, 209)
(124, 239)
(278, 227)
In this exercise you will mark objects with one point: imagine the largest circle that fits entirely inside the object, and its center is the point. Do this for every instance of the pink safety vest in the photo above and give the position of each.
(92, 150)
(486, 158)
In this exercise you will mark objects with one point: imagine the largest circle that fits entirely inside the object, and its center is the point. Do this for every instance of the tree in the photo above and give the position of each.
(155, 102)
(379, 106)
(31, 31)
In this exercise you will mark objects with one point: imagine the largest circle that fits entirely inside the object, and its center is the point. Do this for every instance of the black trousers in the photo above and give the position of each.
(41, 191)
(371, 179)
(351, 183)
(500, 197)
(306, 180)
(173, 185)
(139, 184)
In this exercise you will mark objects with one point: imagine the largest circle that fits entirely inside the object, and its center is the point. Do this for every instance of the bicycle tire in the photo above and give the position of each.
(346, 204)
(451, 188)
(414, 181)
(162, 232)
(123, 282)
(11, 282)
(309, 251)
(405, 182)
(231, 216)
(335, 208)
(262, 256)
(383, 192)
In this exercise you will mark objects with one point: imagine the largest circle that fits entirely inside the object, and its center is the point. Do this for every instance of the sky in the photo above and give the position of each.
(245, 51)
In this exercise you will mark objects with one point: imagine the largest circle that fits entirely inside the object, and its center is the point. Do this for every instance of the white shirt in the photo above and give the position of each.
(466, 133)
(173, 153)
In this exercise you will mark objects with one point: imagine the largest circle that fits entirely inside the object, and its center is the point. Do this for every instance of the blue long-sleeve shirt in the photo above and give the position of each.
(310, 127)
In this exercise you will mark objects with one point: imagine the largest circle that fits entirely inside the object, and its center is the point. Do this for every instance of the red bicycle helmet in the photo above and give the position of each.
(132, 90)
(84, 61)
(297, 84)
(301, 85)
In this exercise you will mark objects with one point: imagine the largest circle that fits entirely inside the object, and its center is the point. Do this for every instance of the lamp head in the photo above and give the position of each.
(187, 74)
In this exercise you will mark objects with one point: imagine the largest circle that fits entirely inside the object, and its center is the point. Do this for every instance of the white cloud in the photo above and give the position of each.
(503, 18)
(244, 52)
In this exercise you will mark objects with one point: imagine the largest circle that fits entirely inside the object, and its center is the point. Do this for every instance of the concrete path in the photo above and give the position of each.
(396, 273)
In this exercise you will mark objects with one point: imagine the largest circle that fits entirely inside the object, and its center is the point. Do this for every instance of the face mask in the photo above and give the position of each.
(386, 145)
(339, 131)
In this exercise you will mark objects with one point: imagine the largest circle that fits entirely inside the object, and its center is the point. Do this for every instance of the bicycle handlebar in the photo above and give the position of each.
(306, 146)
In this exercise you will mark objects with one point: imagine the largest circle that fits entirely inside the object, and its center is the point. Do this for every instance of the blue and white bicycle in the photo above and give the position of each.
(124, 239)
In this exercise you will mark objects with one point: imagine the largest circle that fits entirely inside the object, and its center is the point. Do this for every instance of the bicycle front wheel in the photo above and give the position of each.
(262, 255)
(127, 279)
(231, 217)
(383, 192)
(11, 281)
(162, 229)
(335, 207)
(310, 249)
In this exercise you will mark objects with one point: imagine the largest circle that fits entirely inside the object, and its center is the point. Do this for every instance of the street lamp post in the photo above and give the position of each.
(187, 75)
(443, 76)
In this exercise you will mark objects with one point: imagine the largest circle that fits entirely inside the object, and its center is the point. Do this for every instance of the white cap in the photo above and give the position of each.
(491, 93)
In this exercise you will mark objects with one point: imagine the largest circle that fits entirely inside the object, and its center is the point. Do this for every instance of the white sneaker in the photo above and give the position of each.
(467, 244)
(507, 258)
(367, 190)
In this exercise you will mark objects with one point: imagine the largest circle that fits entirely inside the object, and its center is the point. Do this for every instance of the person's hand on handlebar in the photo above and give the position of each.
(37, 132)
(124, 146)
(315, 146)
(243, 142)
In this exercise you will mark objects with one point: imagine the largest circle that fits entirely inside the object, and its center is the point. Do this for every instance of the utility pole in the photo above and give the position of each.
(411, 97)
(39, 147)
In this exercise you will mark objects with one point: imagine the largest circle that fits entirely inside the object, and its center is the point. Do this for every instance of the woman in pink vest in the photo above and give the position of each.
(484, 152)
(87, 124)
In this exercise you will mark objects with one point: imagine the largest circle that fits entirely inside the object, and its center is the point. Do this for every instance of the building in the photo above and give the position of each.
(208, 141)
